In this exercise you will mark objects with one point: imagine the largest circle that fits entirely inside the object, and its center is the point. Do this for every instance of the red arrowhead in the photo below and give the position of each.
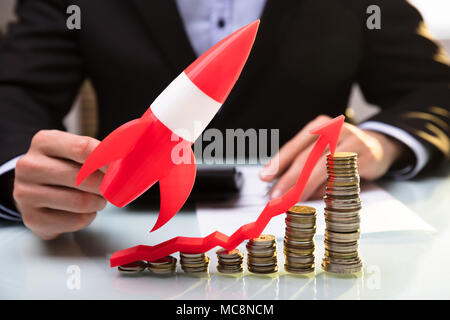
(330, 132)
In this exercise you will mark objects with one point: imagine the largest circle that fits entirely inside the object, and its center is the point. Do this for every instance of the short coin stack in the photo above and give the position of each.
(298, 241)
(163, 266)
(194, 262)
(342, 214)
(133, 267)
(229, 261)
(262, 254)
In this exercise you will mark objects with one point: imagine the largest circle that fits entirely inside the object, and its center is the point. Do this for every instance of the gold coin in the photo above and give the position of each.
(192, 255)
(133, 267)
(263, 269)
(231, 263)
(264, 238)
(229, 270)
(268, 260)
(340, 270)
(300, 259)
(163, 261)
(299, 270)
(223, 253)
(340, 155)
(302, 210)
(195, 270)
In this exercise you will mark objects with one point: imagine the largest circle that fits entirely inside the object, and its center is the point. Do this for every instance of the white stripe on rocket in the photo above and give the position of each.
(184, 108)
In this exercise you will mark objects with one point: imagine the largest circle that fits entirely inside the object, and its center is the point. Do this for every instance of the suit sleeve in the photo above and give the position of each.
(41, 71)
(407, 74)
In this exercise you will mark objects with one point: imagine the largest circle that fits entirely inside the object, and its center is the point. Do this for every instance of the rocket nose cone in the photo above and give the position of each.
(216, 71)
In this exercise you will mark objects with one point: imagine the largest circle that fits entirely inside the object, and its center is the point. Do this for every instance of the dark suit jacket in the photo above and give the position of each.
(307, 55)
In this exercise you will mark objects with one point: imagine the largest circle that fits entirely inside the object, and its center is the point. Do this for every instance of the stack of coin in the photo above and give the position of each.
(133, 267)
(163, 266)
(194, 262)
(342, 205)
(298, 241)
(229, 261)
(262, 254)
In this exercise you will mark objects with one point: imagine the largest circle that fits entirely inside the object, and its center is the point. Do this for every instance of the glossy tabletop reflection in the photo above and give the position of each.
(76, 266)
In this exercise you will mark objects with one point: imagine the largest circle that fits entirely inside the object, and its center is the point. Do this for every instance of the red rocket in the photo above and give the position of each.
(157, 146)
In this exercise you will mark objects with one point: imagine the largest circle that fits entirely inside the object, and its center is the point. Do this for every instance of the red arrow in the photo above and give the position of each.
(328, 135)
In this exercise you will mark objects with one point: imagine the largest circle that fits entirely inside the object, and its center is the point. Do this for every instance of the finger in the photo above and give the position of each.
(48, 223)
(353, 143)
(366, 165)
(319, 193)
(290, 177)
(281, 161)
(346, 131)
(316, 183)
(64, 145)
(315, 186)
(318, 177)
(316, 180)
(45, 170)
(104, 169)
(287, 154)
(61, 198)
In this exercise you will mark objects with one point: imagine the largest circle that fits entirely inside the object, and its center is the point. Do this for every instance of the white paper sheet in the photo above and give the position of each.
(380, 213)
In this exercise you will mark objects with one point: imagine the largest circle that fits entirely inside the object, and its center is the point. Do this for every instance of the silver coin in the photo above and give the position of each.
(299, 270)
(263, 270)
(133, 267)
(300, 259)
(225, 270)
(223, 253)
(333, 269)
(192, 255)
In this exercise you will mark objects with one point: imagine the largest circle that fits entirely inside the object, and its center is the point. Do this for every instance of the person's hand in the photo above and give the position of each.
(44, 186)
(376, 153)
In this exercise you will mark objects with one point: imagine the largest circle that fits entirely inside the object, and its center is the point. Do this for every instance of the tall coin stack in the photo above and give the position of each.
(230, 261)
(342, 214)
(262, 254)
(298, 241)
(194, 262)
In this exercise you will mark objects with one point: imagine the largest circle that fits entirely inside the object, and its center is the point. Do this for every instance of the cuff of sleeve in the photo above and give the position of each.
(421, 153)
(10, 165)
(6, 213)
(9, 214)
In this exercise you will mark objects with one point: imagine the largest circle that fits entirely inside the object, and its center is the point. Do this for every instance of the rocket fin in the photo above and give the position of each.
(114, 147)
(174, 190)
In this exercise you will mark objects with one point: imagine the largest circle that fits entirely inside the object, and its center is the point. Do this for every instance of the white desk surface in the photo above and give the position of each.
(396, 264)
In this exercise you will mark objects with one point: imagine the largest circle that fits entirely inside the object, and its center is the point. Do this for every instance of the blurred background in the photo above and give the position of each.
(82, 119)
